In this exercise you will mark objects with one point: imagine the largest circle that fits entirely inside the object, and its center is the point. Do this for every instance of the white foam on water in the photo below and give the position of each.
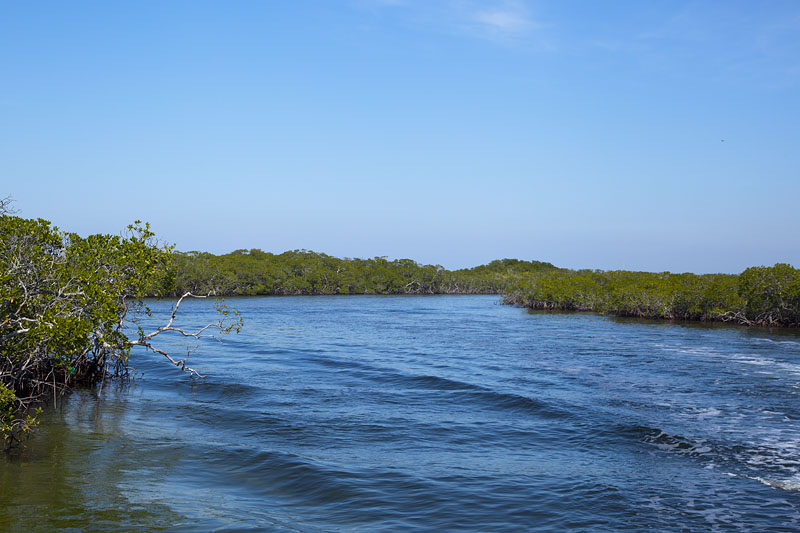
(760, 442)
(791, 484)
(770, 341)
(751, 360)
(773, 366)
(747, 358)
(706, 412)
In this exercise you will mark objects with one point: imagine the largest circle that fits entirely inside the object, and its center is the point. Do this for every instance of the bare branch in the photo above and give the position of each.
(181, 363)
(144, 339)
(5, 206)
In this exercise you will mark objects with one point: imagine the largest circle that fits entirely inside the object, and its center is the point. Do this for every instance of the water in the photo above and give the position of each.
(445, 412)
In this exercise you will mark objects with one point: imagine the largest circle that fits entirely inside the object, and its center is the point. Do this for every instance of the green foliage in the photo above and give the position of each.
(63, 292)
(760, 295)
(512, 267)
(64, 303)
(771, 294)
(13, 423)
(254, 272)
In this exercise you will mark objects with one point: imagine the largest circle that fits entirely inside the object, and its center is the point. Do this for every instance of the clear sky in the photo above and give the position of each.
(638, 135)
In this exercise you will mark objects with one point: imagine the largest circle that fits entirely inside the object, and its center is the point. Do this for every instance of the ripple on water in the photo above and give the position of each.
(436, 413)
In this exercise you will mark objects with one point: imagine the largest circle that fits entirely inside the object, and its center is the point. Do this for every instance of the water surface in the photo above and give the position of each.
(364, 413)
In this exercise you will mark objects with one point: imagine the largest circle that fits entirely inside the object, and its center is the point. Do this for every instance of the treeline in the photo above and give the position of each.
(765, 296)
(303, 272)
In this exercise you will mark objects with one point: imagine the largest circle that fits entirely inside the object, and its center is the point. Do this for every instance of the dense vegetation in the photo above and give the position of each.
(65, 302)
(766, 296)
(758, 296)
(253, 272)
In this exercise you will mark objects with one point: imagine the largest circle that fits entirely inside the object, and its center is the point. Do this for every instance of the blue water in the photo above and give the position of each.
(438, 412)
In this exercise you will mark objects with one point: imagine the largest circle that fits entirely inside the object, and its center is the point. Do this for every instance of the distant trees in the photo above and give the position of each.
(254, 272)
(760, 295)
(771, 294)
(768, 296)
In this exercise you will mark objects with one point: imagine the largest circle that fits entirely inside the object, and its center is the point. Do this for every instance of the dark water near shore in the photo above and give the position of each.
(365, 413)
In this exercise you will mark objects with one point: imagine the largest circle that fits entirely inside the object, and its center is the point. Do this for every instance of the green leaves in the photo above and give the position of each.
(760, 295)
(255, 272)
(230, 320)
(771, 294)
(63, 303)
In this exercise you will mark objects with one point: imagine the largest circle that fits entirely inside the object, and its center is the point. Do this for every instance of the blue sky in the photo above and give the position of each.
(638, 135)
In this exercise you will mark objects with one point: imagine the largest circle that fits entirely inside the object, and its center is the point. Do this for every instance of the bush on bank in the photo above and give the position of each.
(765, 296)
(64, 301)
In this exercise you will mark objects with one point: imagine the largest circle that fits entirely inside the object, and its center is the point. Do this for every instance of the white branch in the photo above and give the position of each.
(144, 340)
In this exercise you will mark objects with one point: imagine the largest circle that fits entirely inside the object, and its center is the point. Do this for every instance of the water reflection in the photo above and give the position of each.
(72, 475)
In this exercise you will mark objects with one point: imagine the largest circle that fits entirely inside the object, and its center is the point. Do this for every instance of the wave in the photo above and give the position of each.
(771, 341)
(463, 392)
(773, 464)
(224, 393)
(752, 359)
(281, 474)
(679, 444)
(459, 391)
(517, 402)
(437, 383)
(767, 362)
(791, 484)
